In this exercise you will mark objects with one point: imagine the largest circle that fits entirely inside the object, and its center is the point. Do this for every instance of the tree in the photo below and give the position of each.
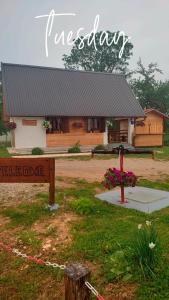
(149, 91)
(3, 129)
(103, 59)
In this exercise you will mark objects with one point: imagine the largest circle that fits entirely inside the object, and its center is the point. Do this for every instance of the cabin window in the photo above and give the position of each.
(93, 124)
(56, 124)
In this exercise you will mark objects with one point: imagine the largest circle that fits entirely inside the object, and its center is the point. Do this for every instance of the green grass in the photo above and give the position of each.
(26, 214)
(3, 151)
(161, 153)
(105, 227)
(99, 233)
(29, 238)
(159, 185)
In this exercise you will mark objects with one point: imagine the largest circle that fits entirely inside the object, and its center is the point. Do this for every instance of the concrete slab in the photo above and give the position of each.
(140, 198)
(52, 155)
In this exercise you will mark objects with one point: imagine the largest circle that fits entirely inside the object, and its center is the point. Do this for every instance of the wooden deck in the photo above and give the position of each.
(117, 136)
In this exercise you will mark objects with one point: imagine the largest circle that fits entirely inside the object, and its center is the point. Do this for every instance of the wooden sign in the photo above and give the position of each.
(29, 170)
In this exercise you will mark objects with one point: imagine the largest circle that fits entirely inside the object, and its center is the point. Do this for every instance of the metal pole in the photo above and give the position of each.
(121, 153)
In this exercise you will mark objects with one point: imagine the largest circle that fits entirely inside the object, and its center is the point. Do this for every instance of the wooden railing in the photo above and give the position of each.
(117, 136)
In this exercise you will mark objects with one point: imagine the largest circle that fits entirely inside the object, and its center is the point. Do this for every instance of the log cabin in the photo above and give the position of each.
(76, 104)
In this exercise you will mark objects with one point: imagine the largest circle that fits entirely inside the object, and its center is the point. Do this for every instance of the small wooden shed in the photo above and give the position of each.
(149, 131)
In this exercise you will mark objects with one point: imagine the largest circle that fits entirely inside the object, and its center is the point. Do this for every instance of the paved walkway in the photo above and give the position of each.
(53, 155)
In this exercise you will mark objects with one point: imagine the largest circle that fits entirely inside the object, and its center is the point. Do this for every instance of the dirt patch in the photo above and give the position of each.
(120, 291)
(50, 291)
(4, 221)
(58, 230)
(16, 193)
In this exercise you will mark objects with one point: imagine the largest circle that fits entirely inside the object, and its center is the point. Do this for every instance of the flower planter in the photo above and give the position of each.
(114, 177)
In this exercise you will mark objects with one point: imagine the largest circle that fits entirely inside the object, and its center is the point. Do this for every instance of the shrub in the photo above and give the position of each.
(146, 249)
(37, 151)
(84, 206)
(75, 148)
(100, 147)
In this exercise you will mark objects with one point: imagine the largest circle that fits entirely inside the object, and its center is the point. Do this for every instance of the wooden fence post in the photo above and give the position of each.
(75, 277)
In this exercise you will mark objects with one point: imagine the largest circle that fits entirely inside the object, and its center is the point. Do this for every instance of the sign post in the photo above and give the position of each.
(30, 170)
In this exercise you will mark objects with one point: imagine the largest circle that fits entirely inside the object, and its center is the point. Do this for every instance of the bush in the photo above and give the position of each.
(146, 249)
(75, 148)
(100, 147)
(84, 206)
(37, 151)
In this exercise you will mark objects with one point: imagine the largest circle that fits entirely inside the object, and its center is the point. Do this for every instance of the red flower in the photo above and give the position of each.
(114, 177)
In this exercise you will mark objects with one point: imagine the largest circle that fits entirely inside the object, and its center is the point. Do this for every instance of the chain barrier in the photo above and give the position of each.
(47, 263)
(94, 291)
(31, 258)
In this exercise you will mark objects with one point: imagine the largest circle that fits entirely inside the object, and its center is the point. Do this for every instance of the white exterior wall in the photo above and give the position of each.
(29, 136)
(130, 131)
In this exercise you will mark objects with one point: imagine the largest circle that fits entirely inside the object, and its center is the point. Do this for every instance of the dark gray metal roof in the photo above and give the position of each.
(42, 91)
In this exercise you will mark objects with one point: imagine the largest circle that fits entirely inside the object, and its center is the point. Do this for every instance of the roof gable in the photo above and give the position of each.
(42, 91)
(156, 111)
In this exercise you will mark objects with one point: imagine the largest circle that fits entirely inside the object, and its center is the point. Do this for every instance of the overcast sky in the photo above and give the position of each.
(22, 37)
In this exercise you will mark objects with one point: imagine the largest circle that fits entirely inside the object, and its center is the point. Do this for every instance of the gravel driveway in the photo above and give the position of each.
(92, 170)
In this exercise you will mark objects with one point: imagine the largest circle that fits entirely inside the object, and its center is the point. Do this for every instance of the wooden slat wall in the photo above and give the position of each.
(153, 125)
(148, 140)
(69, 139)
(151, 134)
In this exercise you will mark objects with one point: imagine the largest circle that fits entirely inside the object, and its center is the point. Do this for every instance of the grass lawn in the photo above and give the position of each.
(161, 153)
(3, 151)
(85, 230)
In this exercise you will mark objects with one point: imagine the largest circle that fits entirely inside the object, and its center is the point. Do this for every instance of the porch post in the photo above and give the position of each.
(130, 130)
(105, 137)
